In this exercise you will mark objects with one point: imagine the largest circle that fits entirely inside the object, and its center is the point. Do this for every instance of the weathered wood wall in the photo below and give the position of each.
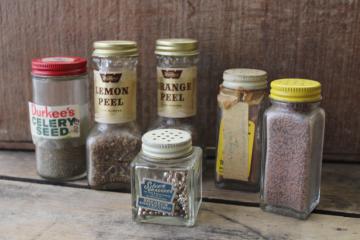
(318, 39)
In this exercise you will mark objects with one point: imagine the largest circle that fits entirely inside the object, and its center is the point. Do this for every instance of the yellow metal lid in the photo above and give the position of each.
(115, 48)
(177, 47)
(295, 90)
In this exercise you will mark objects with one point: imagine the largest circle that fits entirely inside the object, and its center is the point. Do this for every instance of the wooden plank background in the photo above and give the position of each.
(318, 39)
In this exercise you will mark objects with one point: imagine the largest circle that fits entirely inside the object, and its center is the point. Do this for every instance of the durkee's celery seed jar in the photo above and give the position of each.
(242, 100)
(115, 139)
(59, 116)
(293, 145)
(166, 179)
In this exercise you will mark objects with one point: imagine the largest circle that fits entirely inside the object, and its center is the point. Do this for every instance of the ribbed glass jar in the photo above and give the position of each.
(166, 179)
(292, 153)
(115, 138)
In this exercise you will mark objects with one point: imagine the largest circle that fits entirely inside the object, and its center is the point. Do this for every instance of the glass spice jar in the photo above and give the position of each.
(166, 179)
(242, 100)
(59, 116)
(176, 81)
(293, 144)
(115, 139)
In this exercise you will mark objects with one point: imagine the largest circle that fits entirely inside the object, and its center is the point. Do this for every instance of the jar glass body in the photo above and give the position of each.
(239, 141)
(179, 119)
(292, 158)
(65, 158)
(182, 175)
(112, 146)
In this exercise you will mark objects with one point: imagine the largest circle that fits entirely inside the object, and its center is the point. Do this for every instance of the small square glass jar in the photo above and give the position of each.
(166, 182)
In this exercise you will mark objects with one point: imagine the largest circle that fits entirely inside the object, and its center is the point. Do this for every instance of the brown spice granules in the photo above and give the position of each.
(60, 163)
(288, 162)
(111, 156)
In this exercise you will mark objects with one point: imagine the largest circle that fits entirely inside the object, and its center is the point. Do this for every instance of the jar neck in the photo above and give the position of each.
(114, 63)
(107, 126)
(296, 106)
(165, 161)
(164, 61)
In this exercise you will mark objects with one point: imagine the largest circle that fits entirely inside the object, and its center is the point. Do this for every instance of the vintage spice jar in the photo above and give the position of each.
(59, 116)
(177, 60)
(293, 145)
(115, 139)
(242, 100)
(166, 179)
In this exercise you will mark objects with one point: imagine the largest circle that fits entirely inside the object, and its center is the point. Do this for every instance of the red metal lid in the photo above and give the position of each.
(58, 66)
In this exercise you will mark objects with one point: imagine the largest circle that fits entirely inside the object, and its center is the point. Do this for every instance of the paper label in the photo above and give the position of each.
(177, 92)
(54, 122)
(235, 143)
(156, 195)
(115, 96)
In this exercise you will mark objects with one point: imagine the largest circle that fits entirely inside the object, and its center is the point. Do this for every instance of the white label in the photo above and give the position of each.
(54, 122)
(115, 96)
(176, 92)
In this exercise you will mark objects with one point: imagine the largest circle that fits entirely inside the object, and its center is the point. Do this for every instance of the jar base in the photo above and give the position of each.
(284, 211)
(112, 187)
(163, 220)
(63, 179)
(238, 186)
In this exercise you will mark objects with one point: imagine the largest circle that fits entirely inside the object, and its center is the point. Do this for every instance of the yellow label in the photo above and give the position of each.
(230, 160)
(115, 96)
(251, 139)
(219, 152)
(176, 92)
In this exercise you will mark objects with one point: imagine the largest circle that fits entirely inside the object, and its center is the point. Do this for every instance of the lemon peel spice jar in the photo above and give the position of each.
(293, 147)
(59, 117)
(242, 100)
(115, 139)
(176, 82)
(166, 179)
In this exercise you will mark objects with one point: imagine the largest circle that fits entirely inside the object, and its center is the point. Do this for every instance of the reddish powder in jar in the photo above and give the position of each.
(288, 162)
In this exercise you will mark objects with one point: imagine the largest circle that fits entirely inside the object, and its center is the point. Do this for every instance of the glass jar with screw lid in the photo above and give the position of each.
(59, 117)
(115, 139)
(177, 60)
(166, 179)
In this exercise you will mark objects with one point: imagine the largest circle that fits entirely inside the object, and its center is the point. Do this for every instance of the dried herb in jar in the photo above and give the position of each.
(115, 139)
(111, 155)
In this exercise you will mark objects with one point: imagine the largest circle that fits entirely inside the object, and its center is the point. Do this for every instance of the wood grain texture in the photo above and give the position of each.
(312, 39)
(340, 188)
(33, 211)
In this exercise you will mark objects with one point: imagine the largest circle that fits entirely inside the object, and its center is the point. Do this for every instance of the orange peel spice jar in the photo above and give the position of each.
(242, 100)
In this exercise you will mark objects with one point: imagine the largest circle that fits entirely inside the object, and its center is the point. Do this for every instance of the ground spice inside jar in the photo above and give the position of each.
(111, 156)
(293, 133)
(287, 174)
(61, 163)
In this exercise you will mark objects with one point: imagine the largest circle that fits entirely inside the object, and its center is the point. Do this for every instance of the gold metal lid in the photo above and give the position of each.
(115, 48)
(177, 47)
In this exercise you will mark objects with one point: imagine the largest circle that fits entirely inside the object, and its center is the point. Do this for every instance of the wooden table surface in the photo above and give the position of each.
(33, 208)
